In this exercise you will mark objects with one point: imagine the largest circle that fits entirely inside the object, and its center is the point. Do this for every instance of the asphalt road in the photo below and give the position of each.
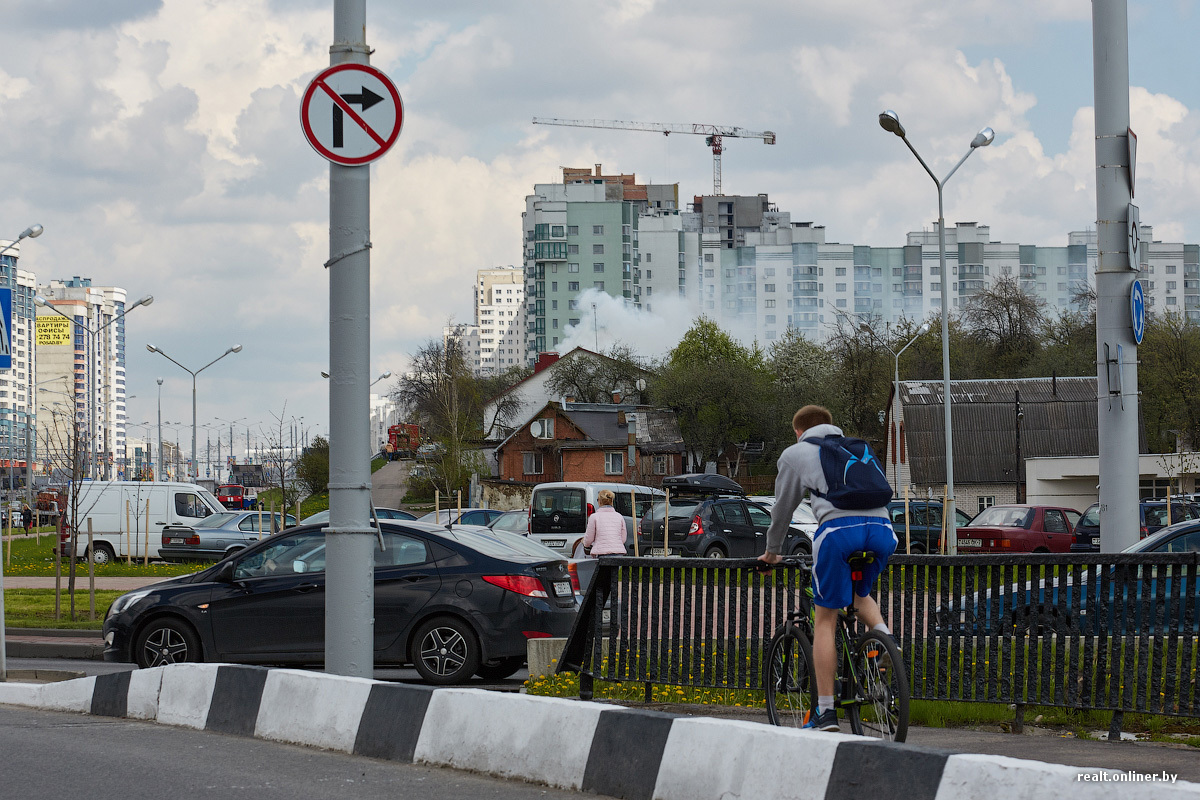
(50, 755)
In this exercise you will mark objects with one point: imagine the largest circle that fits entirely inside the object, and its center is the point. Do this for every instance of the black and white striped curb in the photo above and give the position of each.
(627, 753)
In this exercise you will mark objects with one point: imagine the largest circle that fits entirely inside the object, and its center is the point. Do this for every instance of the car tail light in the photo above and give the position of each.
(573, 569)
(537, 634)
(591, 509)
(1144, 532)
(521, 584)
(697, 527)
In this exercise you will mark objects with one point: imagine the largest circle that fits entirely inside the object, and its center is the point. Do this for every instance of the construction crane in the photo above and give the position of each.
(714, 134)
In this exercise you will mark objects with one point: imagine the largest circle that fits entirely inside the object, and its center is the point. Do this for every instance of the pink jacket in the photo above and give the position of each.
(606, 532)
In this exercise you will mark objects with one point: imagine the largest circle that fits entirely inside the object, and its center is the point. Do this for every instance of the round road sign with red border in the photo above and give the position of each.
(351, 114)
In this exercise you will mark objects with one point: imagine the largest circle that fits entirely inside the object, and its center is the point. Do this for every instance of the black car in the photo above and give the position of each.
(451, 604)
(924, 524)
(1153, 518)
(709, 516)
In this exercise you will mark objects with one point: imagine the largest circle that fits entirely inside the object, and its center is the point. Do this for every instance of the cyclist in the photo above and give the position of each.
(839, 534)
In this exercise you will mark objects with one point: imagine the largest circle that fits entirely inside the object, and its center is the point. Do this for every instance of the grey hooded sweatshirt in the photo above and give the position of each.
(799, 473)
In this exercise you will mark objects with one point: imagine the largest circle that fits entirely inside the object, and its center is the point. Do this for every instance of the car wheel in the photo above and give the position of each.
(802, 549)
(444, 651)
(166, 641)
(714, 552)
(102, 553)
(917, 549)
(500, 668)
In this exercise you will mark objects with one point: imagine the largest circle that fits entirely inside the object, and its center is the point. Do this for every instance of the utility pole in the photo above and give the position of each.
(350, 539)
(1116, 270)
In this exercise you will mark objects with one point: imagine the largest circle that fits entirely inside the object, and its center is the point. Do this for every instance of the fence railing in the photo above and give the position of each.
(1103, 632)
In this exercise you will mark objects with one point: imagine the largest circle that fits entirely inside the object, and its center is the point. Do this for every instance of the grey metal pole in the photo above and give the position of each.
(947, 399)
(195, 462)
(1116, 349)
(159, 462)
(350, 539)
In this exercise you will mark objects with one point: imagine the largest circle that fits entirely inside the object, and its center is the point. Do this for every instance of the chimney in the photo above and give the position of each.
(621, 419)
(597, 170)
(616, 397)
(544, 360)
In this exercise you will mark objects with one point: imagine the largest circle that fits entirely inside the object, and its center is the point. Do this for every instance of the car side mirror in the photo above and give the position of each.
(225, 573)
(299, 566)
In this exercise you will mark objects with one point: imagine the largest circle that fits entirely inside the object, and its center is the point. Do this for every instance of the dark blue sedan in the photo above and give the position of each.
(452, 607)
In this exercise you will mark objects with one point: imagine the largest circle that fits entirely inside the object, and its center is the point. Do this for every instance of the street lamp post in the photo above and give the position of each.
(896, 411)
(237, 348)
(231, 423)
(890, 122)
(94, 335)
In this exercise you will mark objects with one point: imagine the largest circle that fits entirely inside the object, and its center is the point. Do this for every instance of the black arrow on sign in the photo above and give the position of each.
(366, 99)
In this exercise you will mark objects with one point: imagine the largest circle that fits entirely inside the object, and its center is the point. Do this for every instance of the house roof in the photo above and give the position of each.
(523, 381)
(1059, 419)
(656, 429)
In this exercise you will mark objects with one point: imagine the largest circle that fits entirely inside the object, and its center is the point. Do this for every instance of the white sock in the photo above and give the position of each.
(824, 704)
(882, 628)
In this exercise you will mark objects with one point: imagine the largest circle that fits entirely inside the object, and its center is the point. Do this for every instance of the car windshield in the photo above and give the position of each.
(1091, 517)
(215, 521)
(1154, 540)
(1003, 517)
(489, 545)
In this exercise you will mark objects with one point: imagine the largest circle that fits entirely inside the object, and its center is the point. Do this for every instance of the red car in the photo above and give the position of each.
(1020, 529)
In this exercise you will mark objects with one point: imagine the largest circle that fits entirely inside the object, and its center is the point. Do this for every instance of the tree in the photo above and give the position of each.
(279, 459)
(312, 468)
(450, 403)
(1007, 324)
(722, 393)
(1170, 367)
(591, 379)
(861, 381)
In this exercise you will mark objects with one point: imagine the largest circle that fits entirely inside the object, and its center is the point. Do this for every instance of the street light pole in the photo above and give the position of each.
(237, 348)
(890, 122)
(896, 394)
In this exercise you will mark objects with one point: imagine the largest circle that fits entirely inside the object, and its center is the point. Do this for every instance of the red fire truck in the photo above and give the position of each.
(405, 438)
(236, 497)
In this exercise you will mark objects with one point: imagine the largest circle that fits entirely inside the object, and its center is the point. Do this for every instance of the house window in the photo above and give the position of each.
(614, 463)
(660, 465)
(572, 267)
(572, 230)
(598, 266)
(573, 286)
(572, 249)
(597, 230)
(598, 285)
(987, 502)
(708, 257)
(597, 249)
(533, 463)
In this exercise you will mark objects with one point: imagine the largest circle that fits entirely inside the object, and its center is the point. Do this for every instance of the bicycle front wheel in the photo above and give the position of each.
(790, 682)
(879, 668)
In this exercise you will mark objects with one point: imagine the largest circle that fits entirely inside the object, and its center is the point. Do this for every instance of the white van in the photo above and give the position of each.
(558, 512)
(128, 516)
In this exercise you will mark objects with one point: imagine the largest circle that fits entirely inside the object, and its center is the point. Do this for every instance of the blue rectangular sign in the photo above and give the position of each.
(5, 328)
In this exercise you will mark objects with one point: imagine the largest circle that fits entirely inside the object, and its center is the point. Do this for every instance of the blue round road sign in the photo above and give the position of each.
(1137, 311)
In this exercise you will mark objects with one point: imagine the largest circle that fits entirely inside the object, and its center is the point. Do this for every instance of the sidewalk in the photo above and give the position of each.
(126, 584)
(54, 643)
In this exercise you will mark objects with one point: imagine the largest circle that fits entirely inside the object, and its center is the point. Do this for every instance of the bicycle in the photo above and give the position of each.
(871, 682)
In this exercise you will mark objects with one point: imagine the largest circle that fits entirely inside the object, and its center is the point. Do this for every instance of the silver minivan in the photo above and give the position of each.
(558, 512)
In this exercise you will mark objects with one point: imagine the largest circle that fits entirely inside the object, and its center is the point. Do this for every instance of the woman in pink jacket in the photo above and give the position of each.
(605, 534)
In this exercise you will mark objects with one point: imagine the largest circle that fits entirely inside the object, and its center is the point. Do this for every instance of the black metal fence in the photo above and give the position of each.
(1112, 632)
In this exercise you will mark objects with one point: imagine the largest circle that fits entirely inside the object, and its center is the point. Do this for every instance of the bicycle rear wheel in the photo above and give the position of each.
(790, 683)
(883, 681)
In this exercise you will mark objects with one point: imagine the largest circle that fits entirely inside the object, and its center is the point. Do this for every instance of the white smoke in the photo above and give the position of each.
(605, 321)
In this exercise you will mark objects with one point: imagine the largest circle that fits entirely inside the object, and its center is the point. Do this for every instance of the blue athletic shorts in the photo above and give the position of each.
(833, 543)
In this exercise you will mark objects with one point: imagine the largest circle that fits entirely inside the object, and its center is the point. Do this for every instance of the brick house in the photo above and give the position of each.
(592, 442)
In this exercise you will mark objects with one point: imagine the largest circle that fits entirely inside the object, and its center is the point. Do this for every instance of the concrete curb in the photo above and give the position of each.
(626, 753)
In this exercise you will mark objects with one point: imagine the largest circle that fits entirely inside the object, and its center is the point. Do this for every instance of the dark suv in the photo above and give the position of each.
(924, 524)
(711, 517)
(1153, 518)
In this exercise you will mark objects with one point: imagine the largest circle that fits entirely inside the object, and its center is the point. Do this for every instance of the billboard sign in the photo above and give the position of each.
(53, 329)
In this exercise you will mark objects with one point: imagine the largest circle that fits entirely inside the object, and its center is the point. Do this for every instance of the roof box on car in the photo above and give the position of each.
(702, 483)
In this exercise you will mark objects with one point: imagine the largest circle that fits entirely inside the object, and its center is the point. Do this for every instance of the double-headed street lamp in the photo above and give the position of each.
(94, 334)
(890, 122)
(896, 392)
(237, 348)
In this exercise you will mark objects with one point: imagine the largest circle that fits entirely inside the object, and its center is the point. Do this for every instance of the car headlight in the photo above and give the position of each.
(126, 600)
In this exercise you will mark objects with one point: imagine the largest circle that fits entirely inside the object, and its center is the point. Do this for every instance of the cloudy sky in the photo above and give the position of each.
(159, 143)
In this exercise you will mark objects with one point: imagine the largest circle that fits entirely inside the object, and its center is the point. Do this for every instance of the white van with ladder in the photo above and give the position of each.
(127, 517)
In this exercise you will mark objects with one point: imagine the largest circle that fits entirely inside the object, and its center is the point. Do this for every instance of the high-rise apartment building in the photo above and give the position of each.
(18, 401)
(500, 319)
(583, 234)
(85, 376)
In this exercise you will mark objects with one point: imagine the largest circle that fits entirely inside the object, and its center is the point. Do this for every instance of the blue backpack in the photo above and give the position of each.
(854, 475)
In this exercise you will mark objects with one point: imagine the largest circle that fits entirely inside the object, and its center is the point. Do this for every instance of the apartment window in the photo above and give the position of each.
(576, 322)
(554, 324)
(572, 267)
(841, 287)
(769, 272)
(1170, 288)
(646, 257)
(614, 463)
(770, 320)
(597, 230)
(768, 303)
(840, 271)
(597, 249)
(572, 249)
(573, 286)
(770, 287)
(708, 273)
(532, 463)
(598, 285)
(554, 303)
(708, 257)
(598, 266)
(556, 231)
(841, 303)
(554, 288)
(1170, 269)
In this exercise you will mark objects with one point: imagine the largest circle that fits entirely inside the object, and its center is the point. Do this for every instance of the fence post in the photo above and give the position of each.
(1114, 727)
(1018, 725)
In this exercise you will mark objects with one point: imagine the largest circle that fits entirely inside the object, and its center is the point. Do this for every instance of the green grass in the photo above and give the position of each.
(34, 608)
(35, 560)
